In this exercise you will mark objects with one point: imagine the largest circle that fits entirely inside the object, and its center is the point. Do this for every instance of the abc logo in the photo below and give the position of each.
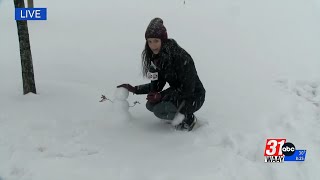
(288, 149)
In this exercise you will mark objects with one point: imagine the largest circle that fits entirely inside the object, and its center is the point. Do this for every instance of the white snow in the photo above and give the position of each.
(258, 60)
(121, 94)
(177, 119)
(121, 106)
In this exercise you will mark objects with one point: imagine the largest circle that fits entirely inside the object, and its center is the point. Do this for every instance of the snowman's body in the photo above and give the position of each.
(120, 103)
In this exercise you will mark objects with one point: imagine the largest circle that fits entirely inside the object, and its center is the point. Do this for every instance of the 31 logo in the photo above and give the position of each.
(278, 150)
(273, 147)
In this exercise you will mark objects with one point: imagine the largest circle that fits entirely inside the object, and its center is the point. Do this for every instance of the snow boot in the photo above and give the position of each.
(187, 124)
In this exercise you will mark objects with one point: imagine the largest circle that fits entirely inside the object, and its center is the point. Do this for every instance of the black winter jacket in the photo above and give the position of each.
(175, 66)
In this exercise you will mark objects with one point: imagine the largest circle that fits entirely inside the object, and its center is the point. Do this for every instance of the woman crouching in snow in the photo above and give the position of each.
(163, 60)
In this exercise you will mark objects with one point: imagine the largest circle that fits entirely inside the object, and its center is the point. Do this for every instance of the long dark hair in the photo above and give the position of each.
(146, 57)
(166, 46)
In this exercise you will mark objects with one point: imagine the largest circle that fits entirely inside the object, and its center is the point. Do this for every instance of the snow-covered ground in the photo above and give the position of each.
(258, 60)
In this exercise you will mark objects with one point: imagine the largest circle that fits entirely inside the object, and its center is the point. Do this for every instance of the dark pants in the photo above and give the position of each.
(168, 109)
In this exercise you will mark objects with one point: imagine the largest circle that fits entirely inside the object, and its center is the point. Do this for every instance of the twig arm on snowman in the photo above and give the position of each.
(104, 98)
(135, 103)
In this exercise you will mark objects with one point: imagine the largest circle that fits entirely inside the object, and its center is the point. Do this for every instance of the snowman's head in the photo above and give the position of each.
(121, 94)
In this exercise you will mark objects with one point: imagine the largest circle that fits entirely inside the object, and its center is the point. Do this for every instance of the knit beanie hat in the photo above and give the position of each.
(156, 29)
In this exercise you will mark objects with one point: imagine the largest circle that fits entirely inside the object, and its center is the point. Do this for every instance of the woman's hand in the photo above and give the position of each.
(154, 97)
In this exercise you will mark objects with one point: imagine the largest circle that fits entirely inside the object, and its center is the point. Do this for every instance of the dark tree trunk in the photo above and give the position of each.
(25, 54)
(30, 3)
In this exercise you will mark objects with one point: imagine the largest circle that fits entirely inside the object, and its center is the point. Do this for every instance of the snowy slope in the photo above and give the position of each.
(258, 60)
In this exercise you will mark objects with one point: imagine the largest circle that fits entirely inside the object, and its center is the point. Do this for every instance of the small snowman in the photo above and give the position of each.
(120, 103)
